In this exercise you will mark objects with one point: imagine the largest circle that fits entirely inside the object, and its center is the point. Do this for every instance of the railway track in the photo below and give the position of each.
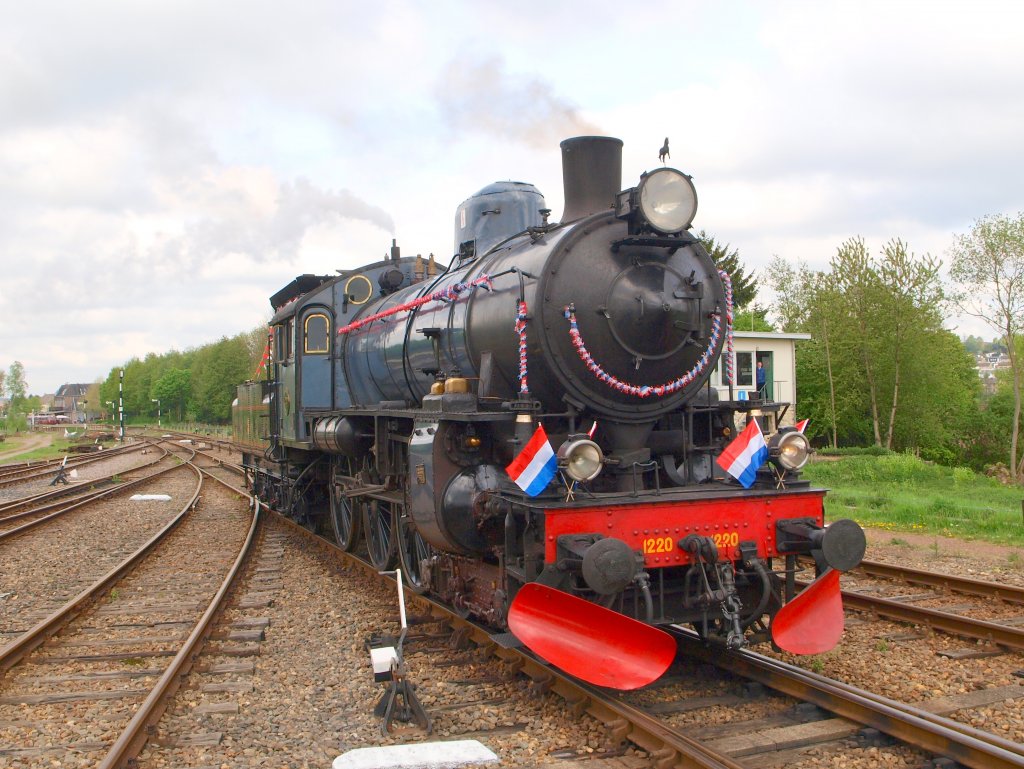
(671, 746)
(1002, 634)
(78, 694)
(922, 726)
(919, 725)
(22, 472)
(20, 515)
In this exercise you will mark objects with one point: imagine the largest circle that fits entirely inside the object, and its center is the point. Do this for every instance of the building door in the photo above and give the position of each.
(765, 359)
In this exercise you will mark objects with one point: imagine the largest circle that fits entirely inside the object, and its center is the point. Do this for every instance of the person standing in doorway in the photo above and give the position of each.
(761, 381)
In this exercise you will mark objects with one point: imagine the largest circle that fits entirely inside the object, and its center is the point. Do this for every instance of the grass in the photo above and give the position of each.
(57, 449)
(12, 441)
(901, 492)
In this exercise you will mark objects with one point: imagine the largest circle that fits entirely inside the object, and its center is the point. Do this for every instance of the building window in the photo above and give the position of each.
(744, 369)
(317, 336)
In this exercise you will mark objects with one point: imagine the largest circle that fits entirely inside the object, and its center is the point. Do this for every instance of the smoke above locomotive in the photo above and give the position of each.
(532, 433)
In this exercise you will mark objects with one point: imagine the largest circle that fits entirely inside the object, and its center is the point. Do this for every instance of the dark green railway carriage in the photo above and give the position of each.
(250, 415)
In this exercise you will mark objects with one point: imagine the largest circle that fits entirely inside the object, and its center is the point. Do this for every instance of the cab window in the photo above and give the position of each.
(317, 340)
(279, 343)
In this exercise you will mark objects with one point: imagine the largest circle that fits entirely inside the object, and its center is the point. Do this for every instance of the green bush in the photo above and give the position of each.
(853, 451)
(963, 476)
(939, 454)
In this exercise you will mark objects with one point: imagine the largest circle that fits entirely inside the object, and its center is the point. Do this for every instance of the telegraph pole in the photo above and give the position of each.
(120, 402)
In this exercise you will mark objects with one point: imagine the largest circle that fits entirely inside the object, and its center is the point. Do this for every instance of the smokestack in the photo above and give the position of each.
(591, 174)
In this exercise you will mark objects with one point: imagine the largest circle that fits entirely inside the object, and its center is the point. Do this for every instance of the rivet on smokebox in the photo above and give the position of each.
(150, 497)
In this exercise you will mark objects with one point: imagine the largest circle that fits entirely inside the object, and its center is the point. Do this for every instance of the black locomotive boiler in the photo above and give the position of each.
(400, 394)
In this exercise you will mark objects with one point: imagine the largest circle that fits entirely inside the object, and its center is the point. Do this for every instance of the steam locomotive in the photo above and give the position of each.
(531, 434)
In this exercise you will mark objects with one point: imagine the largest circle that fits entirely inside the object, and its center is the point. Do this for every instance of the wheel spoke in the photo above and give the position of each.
(380, 543)
(344, 518)
(413, 550)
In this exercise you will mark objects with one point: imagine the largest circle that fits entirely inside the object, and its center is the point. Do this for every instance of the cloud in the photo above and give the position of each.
(164, 167)
(480, 96)
(248, 211)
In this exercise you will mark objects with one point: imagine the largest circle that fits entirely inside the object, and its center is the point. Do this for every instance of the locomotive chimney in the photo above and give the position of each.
(591, 174)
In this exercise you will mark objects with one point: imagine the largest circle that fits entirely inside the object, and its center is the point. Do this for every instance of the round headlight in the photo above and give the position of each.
(581, 459)
(668, 200)
(790, 449)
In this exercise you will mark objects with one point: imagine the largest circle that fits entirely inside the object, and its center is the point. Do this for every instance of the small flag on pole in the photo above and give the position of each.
(745, 454)
(801, 425)
(536, 464)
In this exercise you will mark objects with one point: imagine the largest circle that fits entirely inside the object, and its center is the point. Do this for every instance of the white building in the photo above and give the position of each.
(777, 353)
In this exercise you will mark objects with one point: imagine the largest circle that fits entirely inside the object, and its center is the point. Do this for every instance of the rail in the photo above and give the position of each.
(133, 737)
(942, 736)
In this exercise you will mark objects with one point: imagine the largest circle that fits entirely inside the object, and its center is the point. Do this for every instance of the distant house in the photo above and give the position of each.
(69, 400)
(777, 353)
(987, 365)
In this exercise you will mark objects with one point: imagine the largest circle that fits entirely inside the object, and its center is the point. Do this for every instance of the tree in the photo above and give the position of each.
(988, 263)
(753, 319)
(15, 384)
(173, 390)
(744, 287)
(914, 295)
(939, 399)
(216, 373)
(806, 301)
(865, 314)
(986, 445)
(974, 344)
(856, 280)
(257, 340)
(93, 402)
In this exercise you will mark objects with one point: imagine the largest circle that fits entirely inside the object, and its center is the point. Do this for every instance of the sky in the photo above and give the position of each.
(167, 166)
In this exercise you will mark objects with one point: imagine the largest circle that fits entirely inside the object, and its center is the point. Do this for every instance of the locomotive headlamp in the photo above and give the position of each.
(667, 200)
(581, 459)
(789, 449)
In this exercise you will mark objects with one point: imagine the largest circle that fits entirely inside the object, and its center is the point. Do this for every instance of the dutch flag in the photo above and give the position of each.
(745, 455)
(536, 464)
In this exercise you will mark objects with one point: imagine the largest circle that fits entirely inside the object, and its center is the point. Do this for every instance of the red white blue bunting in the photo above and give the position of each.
(520, 327)
(730, 359)
(449, 294)
(646, 391)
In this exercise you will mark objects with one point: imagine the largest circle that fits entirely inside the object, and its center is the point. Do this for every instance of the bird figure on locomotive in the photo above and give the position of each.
(401, 397)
